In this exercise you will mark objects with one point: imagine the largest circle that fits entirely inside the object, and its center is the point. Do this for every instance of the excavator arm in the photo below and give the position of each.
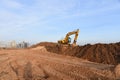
(66, 39)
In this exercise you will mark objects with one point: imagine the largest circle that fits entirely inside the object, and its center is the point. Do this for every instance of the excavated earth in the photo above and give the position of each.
(100, 53)
(39, 64)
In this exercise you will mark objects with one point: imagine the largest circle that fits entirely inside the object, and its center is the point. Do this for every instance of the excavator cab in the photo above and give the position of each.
(69, 40)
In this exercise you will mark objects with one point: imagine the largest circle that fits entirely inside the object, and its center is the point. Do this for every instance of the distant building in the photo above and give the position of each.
(2, 44)
(23, 45)
(13, 44)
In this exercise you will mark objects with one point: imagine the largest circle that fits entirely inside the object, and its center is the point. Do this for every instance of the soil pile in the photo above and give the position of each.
(38, 64)
(101, 53)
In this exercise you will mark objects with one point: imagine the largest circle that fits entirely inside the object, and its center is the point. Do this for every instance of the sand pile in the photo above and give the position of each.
(101, 53)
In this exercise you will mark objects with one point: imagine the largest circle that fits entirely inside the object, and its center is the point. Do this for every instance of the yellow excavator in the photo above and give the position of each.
(67, 39)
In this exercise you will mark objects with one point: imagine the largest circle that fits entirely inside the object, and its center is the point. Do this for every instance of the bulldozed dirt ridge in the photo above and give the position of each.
(39, 64)
(100, 53)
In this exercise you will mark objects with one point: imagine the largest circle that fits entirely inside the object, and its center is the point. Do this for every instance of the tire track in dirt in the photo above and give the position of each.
(60, 62)
(28, 71)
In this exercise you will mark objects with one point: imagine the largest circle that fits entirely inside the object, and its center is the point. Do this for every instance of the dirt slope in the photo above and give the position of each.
(101, 53)
(38, 64)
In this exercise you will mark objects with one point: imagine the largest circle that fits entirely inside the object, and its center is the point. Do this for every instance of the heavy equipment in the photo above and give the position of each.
(67, 39)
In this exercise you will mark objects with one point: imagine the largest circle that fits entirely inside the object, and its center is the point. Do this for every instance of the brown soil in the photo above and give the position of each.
(101, 53)
(38, 64)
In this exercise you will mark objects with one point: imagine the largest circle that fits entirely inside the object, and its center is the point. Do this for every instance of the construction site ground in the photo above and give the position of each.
(41, 63)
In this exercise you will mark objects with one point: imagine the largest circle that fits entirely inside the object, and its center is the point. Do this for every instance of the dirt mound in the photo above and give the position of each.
(101, 53)
(28, 64)
(44, 44)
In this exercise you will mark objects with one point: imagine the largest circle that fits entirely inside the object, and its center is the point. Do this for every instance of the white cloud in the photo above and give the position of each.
(101, 10)
(11, 4)
(54, 7)
(34, 16)
(96, 11)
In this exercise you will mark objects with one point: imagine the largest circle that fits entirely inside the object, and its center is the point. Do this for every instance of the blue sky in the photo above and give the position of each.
(50, 20)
